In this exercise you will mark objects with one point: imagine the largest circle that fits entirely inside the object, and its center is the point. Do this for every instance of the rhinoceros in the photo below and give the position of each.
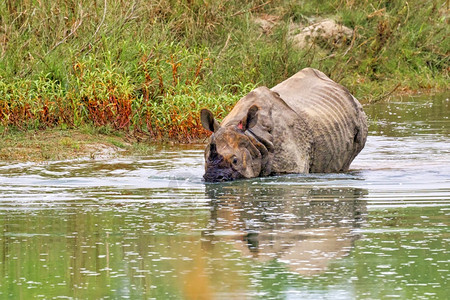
(305, 124)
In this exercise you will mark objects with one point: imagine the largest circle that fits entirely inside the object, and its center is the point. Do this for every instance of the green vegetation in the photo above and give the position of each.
(149, 66)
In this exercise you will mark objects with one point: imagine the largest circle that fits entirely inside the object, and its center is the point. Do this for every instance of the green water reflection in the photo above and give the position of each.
(127, 251)
(406, 116)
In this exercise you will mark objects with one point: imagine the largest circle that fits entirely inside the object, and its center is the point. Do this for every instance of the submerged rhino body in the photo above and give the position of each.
(307, 123)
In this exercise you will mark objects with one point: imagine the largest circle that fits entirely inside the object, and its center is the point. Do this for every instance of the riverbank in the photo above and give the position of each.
(62, 144)
(147, 68)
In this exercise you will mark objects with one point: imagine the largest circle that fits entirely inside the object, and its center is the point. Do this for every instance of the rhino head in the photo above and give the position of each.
(233, 152)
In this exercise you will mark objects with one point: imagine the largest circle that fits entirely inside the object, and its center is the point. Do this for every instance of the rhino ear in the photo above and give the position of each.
(250, 119)
(208, 121)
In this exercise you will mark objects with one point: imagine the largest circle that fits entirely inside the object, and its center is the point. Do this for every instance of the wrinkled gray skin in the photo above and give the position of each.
(307, 123)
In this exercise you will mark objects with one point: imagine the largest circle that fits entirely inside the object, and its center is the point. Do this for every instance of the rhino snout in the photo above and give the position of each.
(219, 175)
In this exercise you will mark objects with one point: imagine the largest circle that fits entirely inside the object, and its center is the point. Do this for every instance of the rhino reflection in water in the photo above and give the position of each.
(306, 124)
(303, 227)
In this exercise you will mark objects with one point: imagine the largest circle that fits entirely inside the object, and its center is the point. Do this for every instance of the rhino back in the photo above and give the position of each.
(337, 122)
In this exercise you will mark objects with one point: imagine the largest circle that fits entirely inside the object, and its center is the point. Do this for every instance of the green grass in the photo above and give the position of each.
(150, 66)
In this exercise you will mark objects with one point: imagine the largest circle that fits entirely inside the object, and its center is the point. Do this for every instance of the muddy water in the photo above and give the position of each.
(148, 227)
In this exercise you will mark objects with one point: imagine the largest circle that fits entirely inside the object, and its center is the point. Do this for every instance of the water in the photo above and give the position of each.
(148, 227)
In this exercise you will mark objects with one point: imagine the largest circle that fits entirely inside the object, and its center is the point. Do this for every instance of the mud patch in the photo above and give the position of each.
(97, 150)
(303, 36)
(58, 145)
(326, 30)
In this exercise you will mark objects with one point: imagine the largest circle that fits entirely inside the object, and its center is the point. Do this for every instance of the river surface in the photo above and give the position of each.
(149, 227)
